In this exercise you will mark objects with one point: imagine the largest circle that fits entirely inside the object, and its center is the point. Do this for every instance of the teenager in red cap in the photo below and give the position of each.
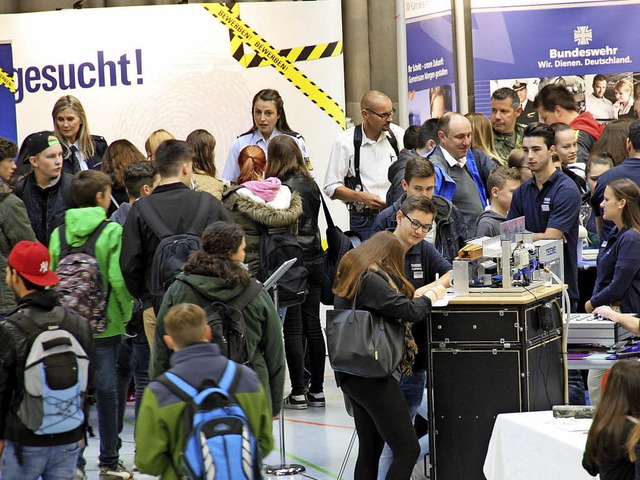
(29, 453)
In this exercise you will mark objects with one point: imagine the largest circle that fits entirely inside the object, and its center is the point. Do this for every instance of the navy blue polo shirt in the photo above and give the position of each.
(629, 168)
(619, 271)
(557, 206)
(421, 263)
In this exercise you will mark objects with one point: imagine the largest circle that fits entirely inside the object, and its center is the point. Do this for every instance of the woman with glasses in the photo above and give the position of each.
(269, 121)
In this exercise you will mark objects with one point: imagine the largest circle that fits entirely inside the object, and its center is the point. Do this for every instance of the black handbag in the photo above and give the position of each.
(338, 243)
(362, 343)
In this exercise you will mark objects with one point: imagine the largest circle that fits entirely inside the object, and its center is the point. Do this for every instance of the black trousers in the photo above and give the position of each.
(381, 415)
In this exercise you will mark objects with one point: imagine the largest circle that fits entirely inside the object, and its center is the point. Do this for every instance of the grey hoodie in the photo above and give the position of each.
(489, 224)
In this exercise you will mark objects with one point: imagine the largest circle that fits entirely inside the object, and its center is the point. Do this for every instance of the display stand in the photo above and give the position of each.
(283, 469)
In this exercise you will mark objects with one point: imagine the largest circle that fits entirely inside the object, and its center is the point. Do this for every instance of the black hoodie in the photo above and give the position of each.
(42, 307)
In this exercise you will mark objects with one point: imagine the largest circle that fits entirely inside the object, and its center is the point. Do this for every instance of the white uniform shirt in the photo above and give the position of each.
(232, 169)
(82, 161)
(375, 158)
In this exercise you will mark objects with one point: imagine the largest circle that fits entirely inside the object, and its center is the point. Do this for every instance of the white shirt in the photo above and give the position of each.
(232, 169)
(452, 161)
(375, 158)
(599, 107)
(82, 161)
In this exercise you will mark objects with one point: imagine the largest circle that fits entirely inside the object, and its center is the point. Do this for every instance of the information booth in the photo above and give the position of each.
(489, 353)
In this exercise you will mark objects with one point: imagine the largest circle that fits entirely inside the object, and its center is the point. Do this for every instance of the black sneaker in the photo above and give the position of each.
(295, 402)
(315, 399)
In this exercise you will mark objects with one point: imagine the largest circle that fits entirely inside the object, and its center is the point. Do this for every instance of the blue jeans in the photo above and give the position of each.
(106, 359)
(133, 361)
(362, 223)
(50, 463)
(412, 387)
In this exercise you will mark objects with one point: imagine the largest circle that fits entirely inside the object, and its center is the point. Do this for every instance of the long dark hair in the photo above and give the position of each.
(118, 156)
(204, 145)
(218, 242)
(285, 159)
(383, 251)
(625, 189)
(271, 95)
(621, 398)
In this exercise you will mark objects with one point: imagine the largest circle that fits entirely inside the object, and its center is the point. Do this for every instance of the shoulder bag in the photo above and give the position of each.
(362, 343)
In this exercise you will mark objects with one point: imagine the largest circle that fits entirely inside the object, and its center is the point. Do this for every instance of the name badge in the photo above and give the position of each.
(418, 275)
(545, 208)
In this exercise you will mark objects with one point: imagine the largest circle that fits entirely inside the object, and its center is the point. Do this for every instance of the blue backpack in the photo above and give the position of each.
(218, 441)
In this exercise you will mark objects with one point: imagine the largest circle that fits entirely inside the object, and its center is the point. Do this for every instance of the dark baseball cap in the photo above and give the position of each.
(37, 142)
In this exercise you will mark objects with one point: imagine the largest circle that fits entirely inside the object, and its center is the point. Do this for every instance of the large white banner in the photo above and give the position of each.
(182, 67)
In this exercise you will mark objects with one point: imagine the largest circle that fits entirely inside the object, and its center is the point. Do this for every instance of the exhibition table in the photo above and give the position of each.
(534, 446)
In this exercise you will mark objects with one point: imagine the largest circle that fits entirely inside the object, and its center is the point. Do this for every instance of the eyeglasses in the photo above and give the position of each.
(383, 116)
(416, 224)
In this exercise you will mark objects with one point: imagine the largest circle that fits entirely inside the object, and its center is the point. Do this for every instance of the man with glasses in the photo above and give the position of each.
(449, 233)
(360, 159)
(425, 268)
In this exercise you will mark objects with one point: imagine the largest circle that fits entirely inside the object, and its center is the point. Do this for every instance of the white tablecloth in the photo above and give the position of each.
(535, 446)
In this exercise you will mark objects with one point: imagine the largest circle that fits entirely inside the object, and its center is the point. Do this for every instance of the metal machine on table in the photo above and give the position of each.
(510, 266)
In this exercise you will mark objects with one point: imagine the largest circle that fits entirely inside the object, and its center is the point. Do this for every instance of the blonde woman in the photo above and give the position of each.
(154, 141)
(482, 138)
(81, 150)
(624, 98)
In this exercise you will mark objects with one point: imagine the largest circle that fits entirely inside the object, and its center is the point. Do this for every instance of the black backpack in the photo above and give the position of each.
(228, 327)
(277, 246)
(338, 243)
(174, 248)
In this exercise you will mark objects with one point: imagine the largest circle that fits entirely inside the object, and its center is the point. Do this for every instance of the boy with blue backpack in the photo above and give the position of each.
(206, 413)
(85, 254)
(46, 373)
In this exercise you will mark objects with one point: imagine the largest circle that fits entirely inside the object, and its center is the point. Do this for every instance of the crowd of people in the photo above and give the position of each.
(414, 198)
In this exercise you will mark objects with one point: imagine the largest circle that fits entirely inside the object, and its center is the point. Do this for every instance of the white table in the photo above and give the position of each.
(535, 446)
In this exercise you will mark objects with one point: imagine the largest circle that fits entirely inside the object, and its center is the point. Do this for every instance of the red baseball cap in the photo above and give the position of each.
(31, 261)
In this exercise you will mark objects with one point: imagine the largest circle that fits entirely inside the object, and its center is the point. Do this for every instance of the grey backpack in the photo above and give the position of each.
(55, 375)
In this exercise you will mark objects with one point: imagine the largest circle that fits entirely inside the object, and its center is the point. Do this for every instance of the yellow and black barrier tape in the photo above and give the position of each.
(295, 54)
(244, 34)
(6, 80)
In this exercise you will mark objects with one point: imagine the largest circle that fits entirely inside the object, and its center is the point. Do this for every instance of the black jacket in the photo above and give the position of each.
(308, 232)
(43, 308)
(71, 166)
(45, 207)
(396, 175)
(177, 206)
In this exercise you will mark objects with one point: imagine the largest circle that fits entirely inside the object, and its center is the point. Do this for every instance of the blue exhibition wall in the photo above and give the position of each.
(430, 63)
(558, 42)
(7, 94)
